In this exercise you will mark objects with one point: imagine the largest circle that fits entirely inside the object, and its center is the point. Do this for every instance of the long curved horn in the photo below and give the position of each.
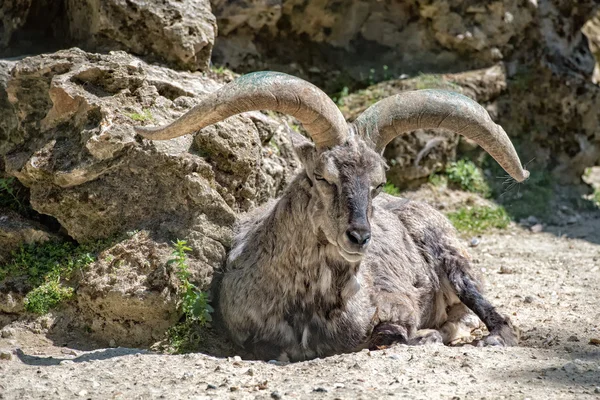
(429, 108)
(263, 91)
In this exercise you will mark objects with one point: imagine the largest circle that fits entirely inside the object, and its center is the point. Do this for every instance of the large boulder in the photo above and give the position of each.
(359, 37)
(75, 149)
(181, 33)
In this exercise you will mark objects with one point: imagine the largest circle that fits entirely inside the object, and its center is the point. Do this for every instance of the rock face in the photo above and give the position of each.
(76, 151)
(181, 33)
(359, 36)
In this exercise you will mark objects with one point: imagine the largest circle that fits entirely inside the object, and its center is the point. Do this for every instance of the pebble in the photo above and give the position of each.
(528, 299)
(234, 389)
(209, 386)
(5, 355)
(7, 333)
(275, 395)
(573, 338)
(320, 390)
(597, 390)
(82, 393)
(537, 228)
(474, 242)
(532, 220)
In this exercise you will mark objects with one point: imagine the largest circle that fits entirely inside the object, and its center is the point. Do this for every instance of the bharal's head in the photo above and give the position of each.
(343, 162)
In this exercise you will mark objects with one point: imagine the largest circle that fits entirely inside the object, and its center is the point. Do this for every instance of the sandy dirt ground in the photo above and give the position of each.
(549, 283)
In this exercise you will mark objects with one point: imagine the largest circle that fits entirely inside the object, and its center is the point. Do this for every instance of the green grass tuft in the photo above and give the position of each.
(47, 296)
(48, 267)
(479, 219)
(146, 115)
(390, 188)
(467, 176)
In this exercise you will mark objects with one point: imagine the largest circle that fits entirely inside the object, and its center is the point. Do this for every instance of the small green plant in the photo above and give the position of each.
(146, 115)
(193, 303)
(390, 188)
(11, 196)
(467, 176)
(596, 197)
(47, 296)
(479, 219)
(47, 268)
(438, 180)
(432, 81)
(340, 98)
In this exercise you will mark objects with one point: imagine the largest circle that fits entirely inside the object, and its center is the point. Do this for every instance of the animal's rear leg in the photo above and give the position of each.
(386, 334)
(502, 331)
(426, 336)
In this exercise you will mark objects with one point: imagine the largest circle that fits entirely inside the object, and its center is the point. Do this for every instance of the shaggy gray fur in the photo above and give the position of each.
(297, 287)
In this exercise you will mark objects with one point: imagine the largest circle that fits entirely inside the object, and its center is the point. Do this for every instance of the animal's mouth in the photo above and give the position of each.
(349, 255)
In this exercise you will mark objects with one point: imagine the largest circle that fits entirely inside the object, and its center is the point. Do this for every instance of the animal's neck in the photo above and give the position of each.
(299, 254)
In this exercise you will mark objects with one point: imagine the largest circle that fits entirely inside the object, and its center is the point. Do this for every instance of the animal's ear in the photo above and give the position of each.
(304, 148)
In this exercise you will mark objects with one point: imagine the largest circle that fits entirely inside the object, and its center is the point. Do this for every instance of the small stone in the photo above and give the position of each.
(597, 389)
(69, 352)
(275, 395)
(112, 343)
(95, 384)
(234, 389)
(537, 228)
(187, 375)
(5, 355)
(210, 387)
(320, 390)
(82, 393)
(395, 357)
(474, 242)
(7, 333)
(528, 299)
(506, 270)
(250, 372)
(339, 385)
(573, 338)
(67, 362)
(237, 358)
(595, 341)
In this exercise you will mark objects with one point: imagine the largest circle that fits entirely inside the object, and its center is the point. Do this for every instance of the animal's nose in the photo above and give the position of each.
(359, 236)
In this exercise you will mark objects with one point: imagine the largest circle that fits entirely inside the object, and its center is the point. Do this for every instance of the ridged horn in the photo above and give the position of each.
(263, 91)
(430, 109)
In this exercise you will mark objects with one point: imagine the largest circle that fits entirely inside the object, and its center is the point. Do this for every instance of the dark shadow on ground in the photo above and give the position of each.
(103, 354)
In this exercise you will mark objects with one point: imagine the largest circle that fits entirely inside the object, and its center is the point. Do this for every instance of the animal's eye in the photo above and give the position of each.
(319, 177)
(377, 190)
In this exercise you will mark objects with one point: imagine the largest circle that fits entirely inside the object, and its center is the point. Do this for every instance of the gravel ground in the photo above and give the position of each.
(549, 283)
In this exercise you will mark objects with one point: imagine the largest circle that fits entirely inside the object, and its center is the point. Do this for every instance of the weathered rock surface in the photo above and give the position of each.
(16, 231)
(181, 33)
(76, 151)
(357, 36)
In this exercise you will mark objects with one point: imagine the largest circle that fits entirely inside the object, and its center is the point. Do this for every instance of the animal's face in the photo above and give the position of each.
(344, 180)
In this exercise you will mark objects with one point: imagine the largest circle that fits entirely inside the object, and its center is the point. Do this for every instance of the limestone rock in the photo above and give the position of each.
(16, 231)
(75, 149)
(181, 33)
